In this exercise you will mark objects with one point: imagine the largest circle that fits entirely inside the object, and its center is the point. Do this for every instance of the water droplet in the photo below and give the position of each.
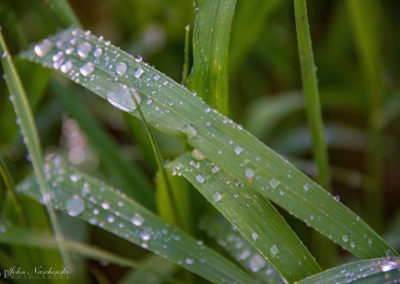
(249, 172)
(216, 197)
(189, 260)
(74, 206)
(370, 242)
(200, 178)
(388, 266)
(215, 169)
(66, 67)
(255, 236)
(105, 205)
(189, 131)
(238, 150)
(256, 263)
(121, 68)
(353, 244)
(41, 49)
(110, 219)
(196, 154)
(274, 183)
(274, 249)
(87, 69)
(56, 57)
(137, 220)
(138, 58)
(138, 72)
(145, 236)
(121, 97)
(244, 254)
(84, 49)
(306, 186)
(98, 52)
(345, 238)
(75, 177)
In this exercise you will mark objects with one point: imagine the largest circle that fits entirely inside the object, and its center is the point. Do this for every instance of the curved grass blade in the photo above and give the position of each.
(64, 11)
(211, 33)
(240, 249)
(176, 111)
(381, 270)
(31, 138)
(95, 202)
(254, 216)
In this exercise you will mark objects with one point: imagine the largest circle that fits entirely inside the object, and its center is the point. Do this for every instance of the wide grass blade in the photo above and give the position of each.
(211, 34)
(254, 216)
(31, 139)
(240, 249)
(95, 202)
(174, 110)
(381, 270)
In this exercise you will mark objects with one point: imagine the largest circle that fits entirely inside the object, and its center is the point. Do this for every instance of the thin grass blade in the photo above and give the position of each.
(95, 202)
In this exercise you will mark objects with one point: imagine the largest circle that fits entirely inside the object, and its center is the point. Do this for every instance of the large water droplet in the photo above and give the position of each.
(121, 68)
(388, 266)
(87, 69)
(74, 206)
(256, 263)
(345, 238)
(98, 52)
(216, 197)
(138, 72)
(66, 67)
(189, 260)
(145, 236)
(121, 97)
(238, 150)
(41, 49)
(105, 205)
(200, 178)
(56, 57)
(249, 172)
(137, 220)
(255, 236)
(84, 49)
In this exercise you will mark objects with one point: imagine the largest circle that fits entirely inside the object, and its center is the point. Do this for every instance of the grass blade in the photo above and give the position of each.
(128, 177)
(240, 249)
(29, 131)
(173, 109)
(255, 217)
(95, 202)
(209, 75)
(381, 270)
(64, 11)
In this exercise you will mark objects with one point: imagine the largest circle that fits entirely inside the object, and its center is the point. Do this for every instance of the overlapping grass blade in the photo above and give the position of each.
(380, 270)
(238, 247)
(127, 176)
(174, 110)
(100, 205)
(31, 139)
(254, 216)
(211, 34)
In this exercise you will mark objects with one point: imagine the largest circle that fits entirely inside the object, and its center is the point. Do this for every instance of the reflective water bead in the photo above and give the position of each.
(274, 249)
(255, 236)
(105, 205)
(41, 49)
(145, 236)
(249, 172)
(137, 220)
(388, 266)
(56, 57)
(84, 49)
(274, 183)
(66, 67)
(306, 186)
(238, 150)
(216, 197)
(197, 155)
(200, 178)
(98, 52)
(138, 72)
(138, 58)
(215, 169)
(345, 238)
(74, 206)
(121, 97)
(87, 69)
(121, 68)
(256, 262)
(110, 219)
(189, 260)
(75, 177)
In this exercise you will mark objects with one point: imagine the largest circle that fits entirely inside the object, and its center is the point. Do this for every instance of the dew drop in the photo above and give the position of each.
(66, 67)
(306, 186)
(215, 169)
(353, 244)
(189, 260)
(138, 58)
(256, 263)
(274, 249)
(345, 238)
(244, 254)
(56, 57)
(200, 178)
(255, 236)
(274, 183)
(137, 220)
(41, 49)
(145, 236)
(105, 205)
(84, 49)
(87, 69)
(110, 219)
(388, 266)
(98, 52)
(74, 206)
(121, 97)
(121, 68)
(249, 172)
(216, 197)
(238, 150)
(196, 154)
(75, 177)
(138, 72)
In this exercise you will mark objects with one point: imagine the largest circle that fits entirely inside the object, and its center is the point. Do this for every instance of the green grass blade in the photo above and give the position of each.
(381, 270)
(64, 11)
(240, 249)
(127, 176)
(248, 23)
(209, 74)
(29, 131)
(186, 62)
(310, 87)
(254, 216)
(171, 108)
(95, 202)
(364, 16)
